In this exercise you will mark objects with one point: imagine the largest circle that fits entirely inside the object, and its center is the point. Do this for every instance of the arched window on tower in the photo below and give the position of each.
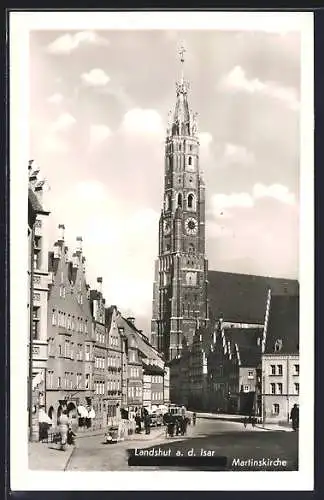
(190, 160)
(179, 200)
(191, 201)
(167, 202)
(191, 250)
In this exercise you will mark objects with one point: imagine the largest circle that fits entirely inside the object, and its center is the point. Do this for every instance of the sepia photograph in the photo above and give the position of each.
(161, 168)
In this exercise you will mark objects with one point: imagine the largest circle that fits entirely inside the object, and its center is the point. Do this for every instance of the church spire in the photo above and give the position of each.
(183, 122)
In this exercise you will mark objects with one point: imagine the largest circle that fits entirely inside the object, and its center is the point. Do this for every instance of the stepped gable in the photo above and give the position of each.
(242, 298)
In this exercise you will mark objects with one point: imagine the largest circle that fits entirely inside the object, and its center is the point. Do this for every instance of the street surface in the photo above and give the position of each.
(228, 439)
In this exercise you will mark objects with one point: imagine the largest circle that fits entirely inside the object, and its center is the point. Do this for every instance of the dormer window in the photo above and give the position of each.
(278, 345)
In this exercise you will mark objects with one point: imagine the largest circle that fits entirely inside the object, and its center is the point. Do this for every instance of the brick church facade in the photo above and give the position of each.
(208, 325)
(180, 284)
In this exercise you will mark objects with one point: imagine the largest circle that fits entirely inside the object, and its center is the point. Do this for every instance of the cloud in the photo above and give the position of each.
(55, 98)
(276, 191)
(68, 43)
(241, 200)
(63, 122)
(91, 191)
(205, 139)
(95, 78)
(234, 153)
(246, 200)
(143, 121)
(98, 134)
(54, 144)
(236, 80)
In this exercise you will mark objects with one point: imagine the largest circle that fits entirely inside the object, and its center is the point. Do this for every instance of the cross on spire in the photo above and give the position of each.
(181, 53)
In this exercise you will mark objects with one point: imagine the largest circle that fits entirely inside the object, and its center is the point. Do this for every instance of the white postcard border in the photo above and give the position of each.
(21, 23)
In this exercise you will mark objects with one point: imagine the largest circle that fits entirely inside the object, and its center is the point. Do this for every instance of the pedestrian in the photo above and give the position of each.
(294, 416)
(64, 424)
(147, 423)
(194, 416)
(138, 423)
(70, 436)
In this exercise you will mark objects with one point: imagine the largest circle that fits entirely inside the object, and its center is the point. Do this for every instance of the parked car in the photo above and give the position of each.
(111, 435)
(156, 419)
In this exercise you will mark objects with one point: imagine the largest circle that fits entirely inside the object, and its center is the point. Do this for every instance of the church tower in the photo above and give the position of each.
(180, 282)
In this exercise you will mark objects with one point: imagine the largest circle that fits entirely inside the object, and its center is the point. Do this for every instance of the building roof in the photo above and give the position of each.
(142, 341)
(109, 312)
(283, 325)
(242, 298)
(152, 369)
(247, 342)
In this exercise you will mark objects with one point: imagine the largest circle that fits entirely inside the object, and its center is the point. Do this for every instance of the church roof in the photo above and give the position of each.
(242, 298)
(247, 342)
(283, 325)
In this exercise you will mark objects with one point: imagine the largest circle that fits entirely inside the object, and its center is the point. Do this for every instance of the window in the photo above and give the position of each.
(35, 323)
(72, 351)
(167, 202)
(60, 350)
(87, 381)
(279, 388)
(67, 349)
(279, 369)
(250, 374)
(59, 382)
(53, 318)
(273, 388)
(191, 201)
(78, 380)
(275, 409)
(190, 160)
(50, 379)
(87, 353)
(179, 200)
(37, 260)
(273, 369)
(296, 386)
(246, 388)
(296, 368)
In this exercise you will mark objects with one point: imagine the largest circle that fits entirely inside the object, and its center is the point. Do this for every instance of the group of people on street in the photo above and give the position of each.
(142, 416)
(176, 424)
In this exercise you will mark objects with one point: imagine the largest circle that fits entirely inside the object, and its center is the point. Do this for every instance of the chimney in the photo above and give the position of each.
(131, 319)
(75, 261)
(99, 281)
(61, 229)
(79, 244)
(57, 251)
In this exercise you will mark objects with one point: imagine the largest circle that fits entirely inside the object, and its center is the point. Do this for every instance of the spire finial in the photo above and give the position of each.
(182, 51)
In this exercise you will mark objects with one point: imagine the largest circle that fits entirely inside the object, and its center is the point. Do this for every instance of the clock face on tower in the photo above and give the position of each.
(166, 227)
(191, 225)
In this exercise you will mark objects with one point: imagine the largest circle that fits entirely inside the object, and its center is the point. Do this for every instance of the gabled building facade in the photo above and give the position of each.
(70, 329)
(37, 283)
(280, 358)
(97, 306)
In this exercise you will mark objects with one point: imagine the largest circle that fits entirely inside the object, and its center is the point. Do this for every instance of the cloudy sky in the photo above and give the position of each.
(99, 107)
